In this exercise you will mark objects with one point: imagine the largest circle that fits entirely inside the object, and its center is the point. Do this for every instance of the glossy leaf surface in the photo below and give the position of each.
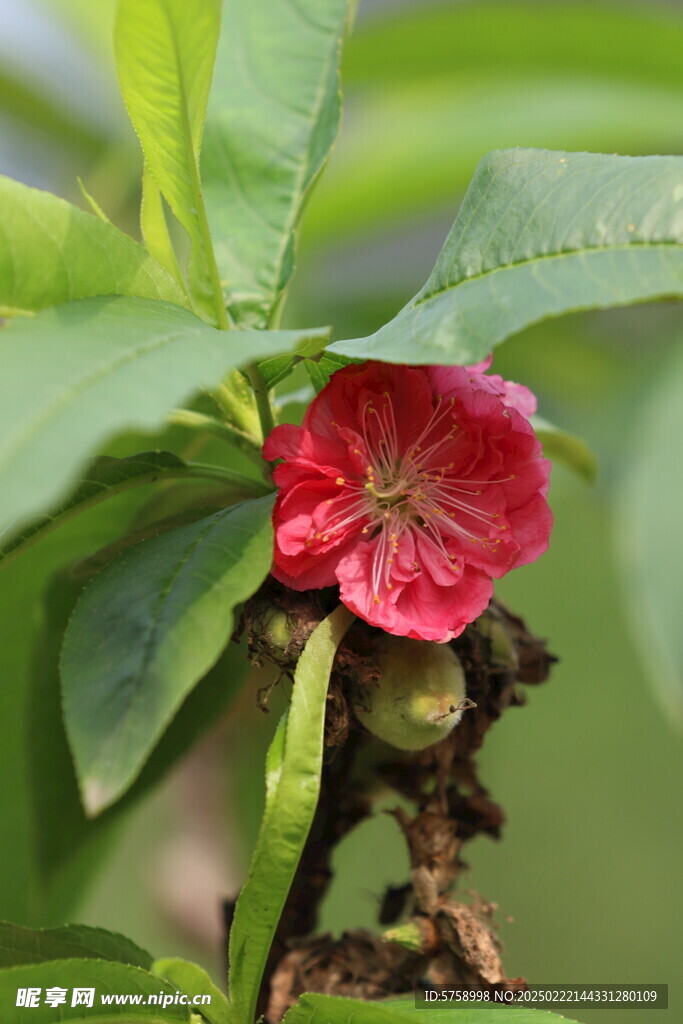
(293, 773)
(540, 234)
(165, 51)
(99, 367)
(51, 252)
(273, 116)
(147, 628)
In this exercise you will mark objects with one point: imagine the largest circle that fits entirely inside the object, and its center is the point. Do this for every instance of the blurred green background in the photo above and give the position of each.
(589, 772)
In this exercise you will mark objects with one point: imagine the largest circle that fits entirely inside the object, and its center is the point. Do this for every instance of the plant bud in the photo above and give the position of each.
(270, 631)
(419, 696)
(417, 935)
(503, 649)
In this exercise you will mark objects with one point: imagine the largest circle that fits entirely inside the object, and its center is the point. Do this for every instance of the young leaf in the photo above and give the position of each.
(74, 941)
(154, 227)
(279, 368)
(320, 371)
(273, 116)
(51, 252)
(293, 778)
(317, 1009)
(147, 628)
(105, 477)
(194, 981)
(540, 234)
(567, 448)
(106, 978)
(165, 52)
(96, 368)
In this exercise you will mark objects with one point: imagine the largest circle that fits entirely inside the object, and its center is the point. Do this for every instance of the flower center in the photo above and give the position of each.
(413, 489)
(389, 493)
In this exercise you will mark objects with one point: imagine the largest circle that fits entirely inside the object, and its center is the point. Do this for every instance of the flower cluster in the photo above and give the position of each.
(412, 488)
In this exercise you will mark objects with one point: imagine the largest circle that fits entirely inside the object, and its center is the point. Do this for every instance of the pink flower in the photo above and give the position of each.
(412, 488)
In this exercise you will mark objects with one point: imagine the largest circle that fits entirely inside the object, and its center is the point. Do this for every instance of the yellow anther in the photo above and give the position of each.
(340, 481)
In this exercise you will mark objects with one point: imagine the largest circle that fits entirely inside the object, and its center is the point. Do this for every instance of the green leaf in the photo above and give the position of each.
(154, 227)
(293, 772)
(67, 846)
(648, 509)
(279, 368)
(92, 203)
(51, 252)
(165, 52)
(147, 628)
(194, 981)
(104, 977)
(394, 127)
(317, 1009)
(540, 234)
(96, 368)
(567, 448)
(322, 369)
(74, 941)
(273, 116)
(105, 477)
(479, 1014)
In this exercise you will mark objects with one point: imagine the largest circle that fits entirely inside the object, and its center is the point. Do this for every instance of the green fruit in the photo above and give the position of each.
(277, 630)
(419, 696)
(270, 630)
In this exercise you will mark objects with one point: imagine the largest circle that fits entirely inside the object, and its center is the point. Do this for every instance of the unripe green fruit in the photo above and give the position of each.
(277, 630)
(419, 696)
(270, 631)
